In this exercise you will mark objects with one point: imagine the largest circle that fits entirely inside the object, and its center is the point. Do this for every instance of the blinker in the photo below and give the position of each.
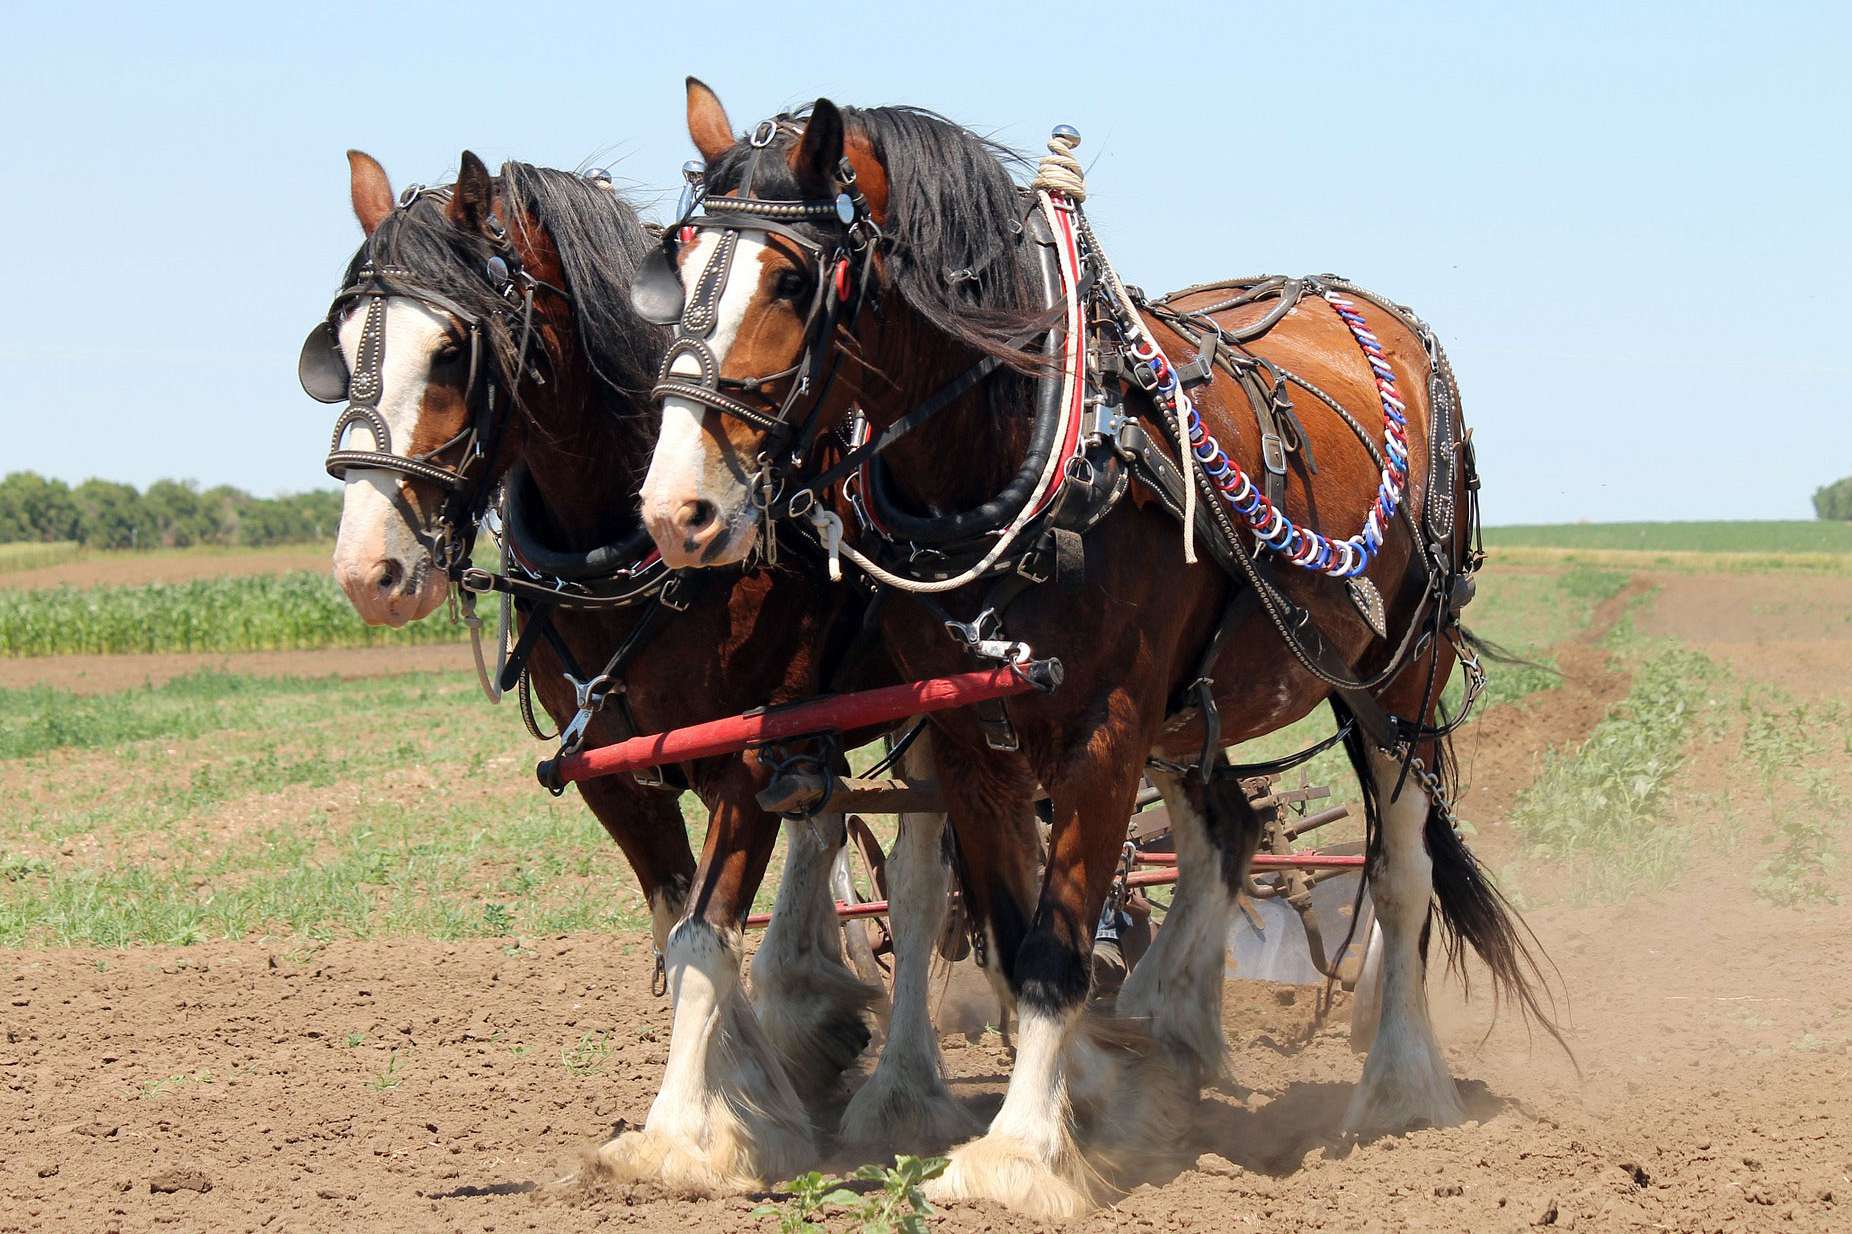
(322, 368)
(656, 293)
(497, 270)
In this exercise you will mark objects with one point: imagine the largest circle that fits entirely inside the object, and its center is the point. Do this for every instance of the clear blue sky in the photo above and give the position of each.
(1628, 221)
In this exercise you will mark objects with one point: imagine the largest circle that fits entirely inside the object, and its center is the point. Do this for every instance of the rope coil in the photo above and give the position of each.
(1059, 171)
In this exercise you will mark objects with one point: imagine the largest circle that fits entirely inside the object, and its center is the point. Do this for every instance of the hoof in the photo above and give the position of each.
(909, 1114)
(1006, 1171)
(1402, 1093)
(683, 1166)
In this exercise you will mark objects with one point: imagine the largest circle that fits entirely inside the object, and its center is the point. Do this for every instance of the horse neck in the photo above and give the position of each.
(965, 454)
(583, 459)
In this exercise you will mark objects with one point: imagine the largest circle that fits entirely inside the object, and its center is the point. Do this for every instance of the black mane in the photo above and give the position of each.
(599, 239)
(953, 239)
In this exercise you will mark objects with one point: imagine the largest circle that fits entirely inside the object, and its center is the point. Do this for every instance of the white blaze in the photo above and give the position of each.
(372, 530)
(689, 464)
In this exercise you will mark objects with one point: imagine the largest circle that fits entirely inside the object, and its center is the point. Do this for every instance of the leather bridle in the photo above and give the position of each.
(449, 532)
(843, 262)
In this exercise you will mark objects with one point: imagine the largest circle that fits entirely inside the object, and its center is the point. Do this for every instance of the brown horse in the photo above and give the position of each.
(486, 328)
(920, 224)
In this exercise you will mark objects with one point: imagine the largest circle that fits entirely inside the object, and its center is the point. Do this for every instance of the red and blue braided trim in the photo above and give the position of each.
(1302, 546)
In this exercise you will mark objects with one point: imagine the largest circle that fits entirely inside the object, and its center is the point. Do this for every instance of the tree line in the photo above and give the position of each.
(170, 514)
(1834, 500)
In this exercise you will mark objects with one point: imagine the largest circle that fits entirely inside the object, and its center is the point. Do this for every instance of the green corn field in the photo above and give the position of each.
(272, 612)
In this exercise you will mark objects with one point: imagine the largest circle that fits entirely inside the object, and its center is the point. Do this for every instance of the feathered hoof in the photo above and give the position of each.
(1402, 1090)
(898, 1113)
(818, 1026)
(725, 1167)
(1006, 1171)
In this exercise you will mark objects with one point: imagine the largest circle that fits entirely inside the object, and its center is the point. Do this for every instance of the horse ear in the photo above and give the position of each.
(474, 196)
(820, 152)
(372, 192)
(707, 121)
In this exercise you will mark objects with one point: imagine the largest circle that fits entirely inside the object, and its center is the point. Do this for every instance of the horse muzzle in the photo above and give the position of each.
(387, 591)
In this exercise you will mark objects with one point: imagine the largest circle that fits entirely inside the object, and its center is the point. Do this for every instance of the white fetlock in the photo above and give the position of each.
(1177, 986)
(1028, 1161)
(726, 1118)
(814, 1010)
(1405, 1085)
(1007, 1171)
(1405, 1079)
(904, 1107)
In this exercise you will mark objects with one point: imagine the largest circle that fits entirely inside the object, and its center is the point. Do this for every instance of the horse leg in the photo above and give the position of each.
(1177, 987)
(814, 1009)
(1405, 1078)
(905, 1104)
(648, 828)
(726, 1117)
(1029, 1159)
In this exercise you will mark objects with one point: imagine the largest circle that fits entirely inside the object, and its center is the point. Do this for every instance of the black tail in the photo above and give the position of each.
(1473, 911)
(1498, 653)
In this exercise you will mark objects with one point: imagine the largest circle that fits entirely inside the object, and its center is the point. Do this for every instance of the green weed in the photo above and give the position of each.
(587, 1055)
(897, 1205)
(154, 1088)
(389, 1078)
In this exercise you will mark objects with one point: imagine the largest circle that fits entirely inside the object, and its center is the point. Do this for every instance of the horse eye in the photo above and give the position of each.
(789, 285)
(449, 353)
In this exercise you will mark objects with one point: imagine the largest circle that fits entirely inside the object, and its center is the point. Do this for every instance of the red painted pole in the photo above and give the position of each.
(840, 713)
(1138, 878)
(847, 912)
(1276, 861)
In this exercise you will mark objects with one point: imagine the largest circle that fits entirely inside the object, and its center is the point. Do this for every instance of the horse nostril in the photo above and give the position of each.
(697, 514)
(388, 576)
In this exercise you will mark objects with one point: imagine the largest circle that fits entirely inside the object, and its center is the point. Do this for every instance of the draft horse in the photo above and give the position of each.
(483, 340)
(878, 274)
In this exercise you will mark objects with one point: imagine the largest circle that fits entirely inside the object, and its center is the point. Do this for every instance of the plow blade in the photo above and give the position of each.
(1269, 940)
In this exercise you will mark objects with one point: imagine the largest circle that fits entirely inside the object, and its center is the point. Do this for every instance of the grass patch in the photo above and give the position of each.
(301, 609)
(34, 556)
(1603, 803)
(235, 806)
(1773, 536)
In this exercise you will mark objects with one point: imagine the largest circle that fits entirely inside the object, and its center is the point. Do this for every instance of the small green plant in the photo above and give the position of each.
(354, 1039)
(896, 1205)
(390, 1077)
(497, 920)
(587, 1055)
(154, 1088)
(1801, 869)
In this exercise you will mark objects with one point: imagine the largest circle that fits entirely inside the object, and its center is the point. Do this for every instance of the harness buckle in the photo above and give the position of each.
(1273, 453)
(671, 597)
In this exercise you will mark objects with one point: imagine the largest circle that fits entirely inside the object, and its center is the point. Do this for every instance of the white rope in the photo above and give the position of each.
(1059, 171)
(1057, 460)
